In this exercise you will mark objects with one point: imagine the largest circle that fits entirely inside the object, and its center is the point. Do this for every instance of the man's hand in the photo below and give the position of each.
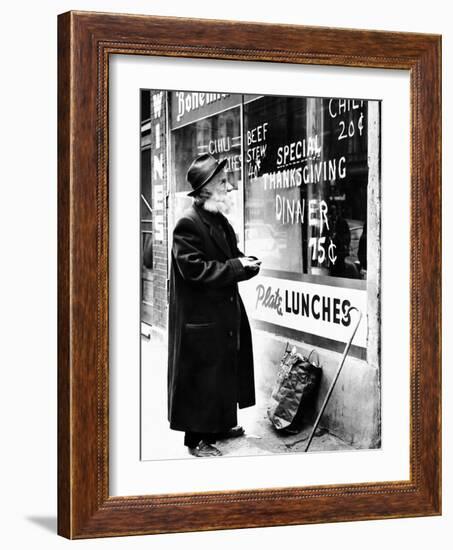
(250, 263)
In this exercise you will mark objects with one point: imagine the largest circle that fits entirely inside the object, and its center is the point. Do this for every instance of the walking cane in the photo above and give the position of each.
(334, 381)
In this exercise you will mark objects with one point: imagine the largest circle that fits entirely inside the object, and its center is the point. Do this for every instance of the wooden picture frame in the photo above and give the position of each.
(85, 41)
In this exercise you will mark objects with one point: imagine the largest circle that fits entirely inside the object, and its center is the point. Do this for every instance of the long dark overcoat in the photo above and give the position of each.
(210, 359)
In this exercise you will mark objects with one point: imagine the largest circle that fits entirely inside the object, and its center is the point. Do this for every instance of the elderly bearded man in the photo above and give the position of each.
(210, 359)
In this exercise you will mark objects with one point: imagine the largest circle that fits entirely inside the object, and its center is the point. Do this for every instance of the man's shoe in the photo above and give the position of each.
(204, 450)
(236, 431)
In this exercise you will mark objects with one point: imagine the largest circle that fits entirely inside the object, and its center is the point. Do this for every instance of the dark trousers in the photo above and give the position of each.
(191, 439)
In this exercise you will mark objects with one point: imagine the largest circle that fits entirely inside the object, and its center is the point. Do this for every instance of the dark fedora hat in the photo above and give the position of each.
(202, 170)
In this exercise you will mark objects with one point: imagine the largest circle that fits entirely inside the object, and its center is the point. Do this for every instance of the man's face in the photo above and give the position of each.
(217, 190)
(219, 185)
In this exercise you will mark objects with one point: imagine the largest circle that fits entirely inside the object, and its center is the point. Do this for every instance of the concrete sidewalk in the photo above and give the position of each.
(158, 442)
(262, 439)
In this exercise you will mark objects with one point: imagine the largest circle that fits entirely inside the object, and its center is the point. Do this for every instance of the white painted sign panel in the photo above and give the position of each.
(307, 307)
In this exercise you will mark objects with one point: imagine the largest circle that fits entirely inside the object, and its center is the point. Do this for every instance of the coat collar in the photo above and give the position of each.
(213, 221)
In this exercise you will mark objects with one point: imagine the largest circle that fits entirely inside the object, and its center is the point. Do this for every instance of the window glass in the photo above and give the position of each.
(306, 185)
(219, 135)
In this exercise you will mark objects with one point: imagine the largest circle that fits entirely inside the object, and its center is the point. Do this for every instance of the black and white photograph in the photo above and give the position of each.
(260, 274)
(225, 294)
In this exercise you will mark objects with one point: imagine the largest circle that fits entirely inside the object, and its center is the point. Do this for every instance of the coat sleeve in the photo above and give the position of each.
(233, 237)
(191, 261)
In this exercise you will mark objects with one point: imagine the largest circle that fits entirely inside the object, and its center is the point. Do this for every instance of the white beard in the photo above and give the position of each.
(218, 202)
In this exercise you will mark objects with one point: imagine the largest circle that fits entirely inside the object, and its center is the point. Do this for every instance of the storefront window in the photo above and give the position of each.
(218, 134)
(299, 171)
(306, 185)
